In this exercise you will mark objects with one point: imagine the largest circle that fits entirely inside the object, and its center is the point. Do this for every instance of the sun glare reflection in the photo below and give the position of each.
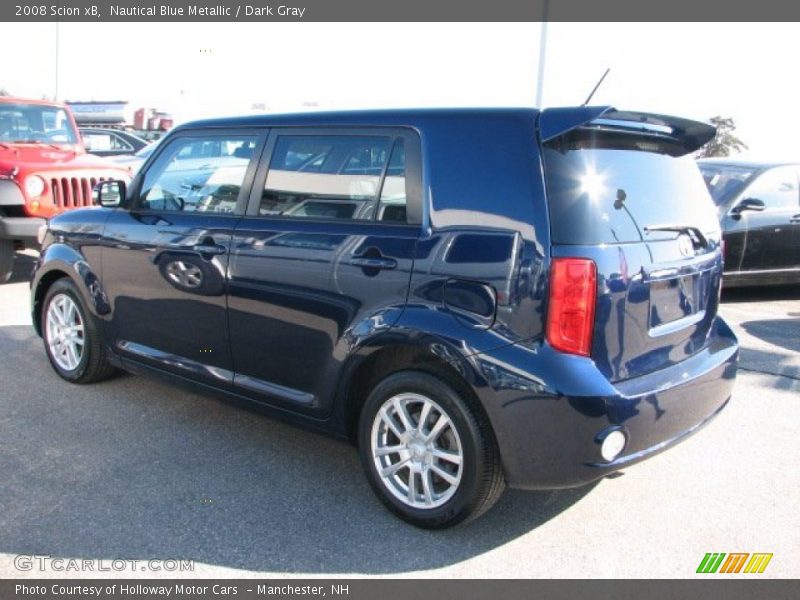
(592, 183)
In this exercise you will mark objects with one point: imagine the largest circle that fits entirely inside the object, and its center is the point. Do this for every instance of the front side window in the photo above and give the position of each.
(777, 189)
(725, 181)
(335, 177)
(196, 174)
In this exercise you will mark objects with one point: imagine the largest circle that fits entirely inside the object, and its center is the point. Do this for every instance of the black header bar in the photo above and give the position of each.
(399, 10)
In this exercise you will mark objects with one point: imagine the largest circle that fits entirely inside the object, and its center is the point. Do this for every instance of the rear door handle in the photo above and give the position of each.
(373, 263)
(795, 219)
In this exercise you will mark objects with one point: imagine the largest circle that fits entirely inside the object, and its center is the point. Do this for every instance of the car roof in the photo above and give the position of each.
(750, 164)
(15, 100)
(406, 116)
(111, 130)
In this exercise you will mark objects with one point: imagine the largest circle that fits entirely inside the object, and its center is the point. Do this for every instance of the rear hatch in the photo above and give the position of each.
(624, 191)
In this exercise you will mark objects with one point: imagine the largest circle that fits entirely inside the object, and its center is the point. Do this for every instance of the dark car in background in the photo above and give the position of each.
(102, 141)
(476, 298)
(759, 209)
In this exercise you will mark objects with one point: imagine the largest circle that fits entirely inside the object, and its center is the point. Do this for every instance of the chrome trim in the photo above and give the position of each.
(274, 389)
(677, 324)
(173, 360)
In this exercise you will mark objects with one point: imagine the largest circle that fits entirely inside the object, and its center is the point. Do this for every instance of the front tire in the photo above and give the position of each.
(428, 451)
(71, 336)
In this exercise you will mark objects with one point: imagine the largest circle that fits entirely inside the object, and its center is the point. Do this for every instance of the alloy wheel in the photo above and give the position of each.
(65, 332)
(417, 451)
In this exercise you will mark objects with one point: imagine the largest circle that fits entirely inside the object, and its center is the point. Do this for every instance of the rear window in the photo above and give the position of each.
(605, 187)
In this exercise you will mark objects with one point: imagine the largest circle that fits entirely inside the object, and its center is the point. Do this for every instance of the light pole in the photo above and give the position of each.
(542, 53)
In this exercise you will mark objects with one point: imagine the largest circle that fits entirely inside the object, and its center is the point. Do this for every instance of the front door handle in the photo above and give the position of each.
(209, 249)
(373, 262)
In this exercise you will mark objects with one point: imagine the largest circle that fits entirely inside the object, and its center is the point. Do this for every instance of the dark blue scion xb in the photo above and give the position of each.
(477, 297)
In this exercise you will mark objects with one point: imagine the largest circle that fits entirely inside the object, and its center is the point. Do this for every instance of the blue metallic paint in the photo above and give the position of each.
(311, 301)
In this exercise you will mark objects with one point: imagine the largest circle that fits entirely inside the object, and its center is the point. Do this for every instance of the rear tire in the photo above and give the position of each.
(428, 451)
(71, 336)
(6, 260)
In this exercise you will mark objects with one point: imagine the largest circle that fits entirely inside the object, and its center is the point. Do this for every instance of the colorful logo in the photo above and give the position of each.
(734, 563)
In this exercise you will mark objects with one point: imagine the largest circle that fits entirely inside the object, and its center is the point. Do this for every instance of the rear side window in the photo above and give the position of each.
(354, 177)
(606, 188)
(393, 192)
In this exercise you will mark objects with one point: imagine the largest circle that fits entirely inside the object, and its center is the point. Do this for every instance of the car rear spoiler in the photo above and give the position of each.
(689, 135)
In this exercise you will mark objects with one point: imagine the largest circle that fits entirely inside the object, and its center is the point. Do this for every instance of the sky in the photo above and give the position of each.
(193, 70)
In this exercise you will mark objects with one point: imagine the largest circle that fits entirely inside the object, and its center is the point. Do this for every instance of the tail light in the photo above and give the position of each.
(573, 293)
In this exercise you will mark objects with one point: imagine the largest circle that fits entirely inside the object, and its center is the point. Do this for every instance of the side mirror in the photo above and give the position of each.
(753, 204)
(109, 193)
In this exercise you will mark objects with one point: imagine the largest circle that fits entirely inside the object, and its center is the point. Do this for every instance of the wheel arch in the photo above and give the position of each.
(57, 262)
(383, 357)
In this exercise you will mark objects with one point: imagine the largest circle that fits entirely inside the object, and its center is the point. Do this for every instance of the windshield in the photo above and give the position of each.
(725, 181)
(33, 123)
(607, 188)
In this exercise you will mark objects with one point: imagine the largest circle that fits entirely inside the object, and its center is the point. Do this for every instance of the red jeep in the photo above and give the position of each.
(44, 170)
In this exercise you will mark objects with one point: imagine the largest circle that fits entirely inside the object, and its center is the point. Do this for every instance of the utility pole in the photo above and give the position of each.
(542, 52)
(55, 94)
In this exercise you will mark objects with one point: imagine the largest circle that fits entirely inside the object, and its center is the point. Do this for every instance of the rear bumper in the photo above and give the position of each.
(25, 229)
(551, 439)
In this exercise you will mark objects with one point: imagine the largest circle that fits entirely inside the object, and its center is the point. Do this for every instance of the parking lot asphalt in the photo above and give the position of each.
(135, 469)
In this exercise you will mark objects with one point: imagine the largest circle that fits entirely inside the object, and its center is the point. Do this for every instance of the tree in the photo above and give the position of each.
(724, 142)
